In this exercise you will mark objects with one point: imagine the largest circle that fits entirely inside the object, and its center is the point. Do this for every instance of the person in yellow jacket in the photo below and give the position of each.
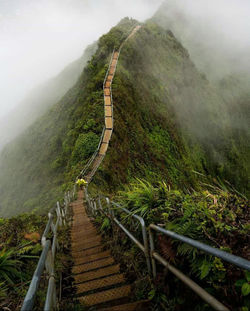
(81, 182)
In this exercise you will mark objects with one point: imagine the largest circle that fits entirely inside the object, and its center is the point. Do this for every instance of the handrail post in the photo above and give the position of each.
(58, 212)
(50, 302)
(152, 248)
(145, 242)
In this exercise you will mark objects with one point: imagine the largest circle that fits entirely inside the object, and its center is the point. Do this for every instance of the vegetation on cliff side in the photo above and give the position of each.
(150, 83)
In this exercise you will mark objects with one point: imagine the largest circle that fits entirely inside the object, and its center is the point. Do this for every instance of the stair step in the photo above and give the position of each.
(82, 228)
(76, 250)
(93, 257)
(93, 265)
(90, 251)
(100, 283)
(91, 275)
(81, 233)
(81, 243)
(105, 296)
(133, 306)
(78, 238)
(84, 224)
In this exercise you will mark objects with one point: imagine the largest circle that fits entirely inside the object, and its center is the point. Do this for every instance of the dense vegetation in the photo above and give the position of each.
(20, 249)
(228, 145)
(213, 216)
(154, 88)
(167, 120)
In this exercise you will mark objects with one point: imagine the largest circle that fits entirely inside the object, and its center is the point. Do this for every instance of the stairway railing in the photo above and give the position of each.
(235, 260)
(95, 154)
(47, 258)
(111, 213)
(95, 206)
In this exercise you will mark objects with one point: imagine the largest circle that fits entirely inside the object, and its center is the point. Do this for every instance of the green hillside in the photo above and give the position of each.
(41, 98)
(228, 73)
(156, 91)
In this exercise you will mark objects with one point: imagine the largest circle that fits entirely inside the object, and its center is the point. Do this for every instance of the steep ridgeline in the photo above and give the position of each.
(154, 77)
(53, 150)
(97, 277)
(98, 157)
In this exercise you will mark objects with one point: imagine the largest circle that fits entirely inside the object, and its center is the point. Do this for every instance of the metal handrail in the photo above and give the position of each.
(31, 294)
(235, 260)
(93, 202)
(95, 205)
(47, 258)
(96, 153)
(238, 261)
(144, 247)
(93, 157)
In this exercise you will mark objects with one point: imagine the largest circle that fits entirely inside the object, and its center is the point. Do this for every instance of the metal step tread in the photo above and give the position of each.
(100, 283)
(89, 258)
(96, 274)
(82, 243)
(84, 247)
(82, 231)
(105, 296)
(77, 239)
(93, 265)
(87, 252)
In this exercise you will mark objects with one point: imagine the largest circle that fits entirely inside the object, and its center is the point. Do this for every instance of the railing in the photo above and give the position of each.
(47, 258)
(95, 154)
(94, 206)
(110, 212)
(235, 260)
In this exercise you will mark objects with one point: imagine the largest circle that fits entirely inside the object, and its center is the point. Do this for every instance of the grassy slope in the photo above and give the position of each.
(40, 164)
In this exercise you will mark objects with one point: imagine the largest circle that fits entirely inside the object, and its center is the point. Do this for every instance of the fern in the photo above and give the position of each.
(105, 224)
(3, 290)
(8, 267)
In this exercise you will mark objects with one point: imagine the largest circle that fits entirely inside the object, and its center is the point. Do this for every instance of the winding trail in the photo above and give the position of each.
(108, 113)
(97, 276)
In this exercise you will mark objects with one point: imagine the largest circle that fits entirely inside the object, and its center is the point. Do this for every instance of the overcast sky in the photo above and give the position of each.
(38, 38)
(216, 33)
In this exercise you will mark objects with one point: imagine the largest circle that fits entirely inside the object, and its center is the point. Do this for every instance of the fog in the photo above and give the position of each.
(39, 38)
(215, 32)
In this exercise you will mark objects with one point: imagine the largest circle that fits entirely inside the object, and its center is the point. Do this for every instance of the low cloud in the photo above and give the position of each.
(39, 38)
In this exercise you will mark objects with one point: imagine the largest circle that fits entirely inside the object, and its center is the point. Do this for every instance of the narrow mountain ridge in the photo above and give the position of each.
(154, 76)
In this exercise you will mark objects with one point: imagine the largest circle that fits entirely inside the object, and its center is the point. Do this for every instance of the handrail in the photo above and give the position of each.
(49, 249)
(95, 154)
(238, 261)
(31, 294)
(47, 257)
(92, 204)
(94, 159)
(144, 247)
(235, 260)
